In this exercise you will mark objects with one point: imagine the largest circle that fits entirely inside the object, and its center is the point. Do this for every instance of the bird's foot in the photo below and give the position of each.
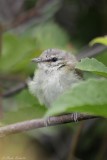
(47, 122)
(75, 116)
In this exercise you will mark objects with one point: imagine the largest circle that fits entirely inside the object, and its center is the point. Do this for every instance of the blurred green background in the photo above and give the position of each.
(28, 27)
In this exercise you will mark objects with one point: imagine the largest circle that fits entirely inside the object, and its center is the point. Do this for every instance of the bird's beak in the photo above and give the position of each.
(37, 60)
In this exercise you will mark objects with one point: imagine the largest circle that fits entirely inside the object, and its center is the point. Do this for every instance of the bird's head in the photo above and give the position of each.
(55, 59)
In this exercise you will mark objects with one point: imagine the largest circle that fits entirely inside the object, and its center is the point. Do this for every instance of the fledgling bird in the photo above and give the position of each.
(54, 75)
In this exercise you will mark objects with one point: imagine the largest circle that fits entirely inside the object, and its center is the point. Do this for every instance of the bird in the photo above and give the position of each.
(55, 74)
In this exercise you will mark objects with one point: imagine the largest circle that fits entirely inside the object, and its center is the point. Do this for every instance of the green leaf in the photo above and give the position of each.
(50, 35)
(92, 65)
(22, 106)
(17, 52)
(101, 40)
(23, 114)
(87, 96)
(102, 57)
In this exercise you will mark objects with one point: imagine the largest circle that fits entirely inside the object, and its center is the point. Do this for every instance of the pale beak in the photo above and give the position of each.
(39, 60)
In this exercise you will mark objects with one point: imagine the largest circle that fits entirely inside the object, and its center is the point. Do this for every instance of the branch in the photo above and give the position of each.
(91, 51)
(40, 123)
(15, 90)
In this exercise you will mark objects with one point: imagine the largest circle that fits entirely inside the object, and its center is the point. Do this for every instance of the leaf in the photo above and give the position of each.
(17, 52)
(92, 65)
(22, 106)
(101, 40)
(23, 114)
(87, 96)
(102, 57)
(50, 35)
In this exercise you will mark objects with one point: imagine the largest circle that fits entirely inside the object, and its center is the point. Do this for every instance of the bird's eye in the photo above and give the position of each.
(54, 59)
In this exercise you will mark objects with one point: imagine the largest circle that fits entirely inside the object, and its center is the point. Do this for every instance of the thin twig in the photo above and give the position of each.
(40, 123)
(91, 51)
(14, 90)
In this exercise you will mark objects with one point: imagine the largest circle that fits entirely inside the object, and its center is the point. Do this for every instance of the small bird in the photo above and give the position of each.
(55, 74)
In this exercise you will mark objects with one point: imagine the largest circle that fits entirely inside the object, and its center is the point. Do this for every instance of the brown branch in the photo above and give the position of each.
(91, 51)
(14, 90)
(40, 123)
(34, 15)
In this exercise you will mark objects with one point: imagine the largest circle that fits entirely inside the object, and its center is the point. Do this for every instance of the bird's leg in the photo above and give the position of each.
(47, 121)
(75, 116)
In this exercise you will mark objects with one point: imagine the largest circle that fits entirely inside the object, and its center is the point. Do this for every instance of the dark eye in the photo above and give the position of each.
(54, 59)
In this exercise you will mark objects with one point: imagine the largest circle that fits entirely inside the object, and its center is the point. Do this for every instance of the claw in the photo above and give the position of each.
(47, 122)
(75, 115)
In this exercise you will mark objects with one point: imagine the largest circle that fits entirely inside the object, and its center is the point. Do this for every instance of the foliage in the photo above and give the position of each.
(22, 107)
(50, 35)
(88, 96)
(82, 21)
(92, 65)
(100, 40)
(18, 50)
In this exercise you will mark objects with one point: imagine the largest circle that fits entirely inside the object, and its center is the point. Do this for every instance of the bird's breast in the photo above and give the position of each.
(49, 86)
